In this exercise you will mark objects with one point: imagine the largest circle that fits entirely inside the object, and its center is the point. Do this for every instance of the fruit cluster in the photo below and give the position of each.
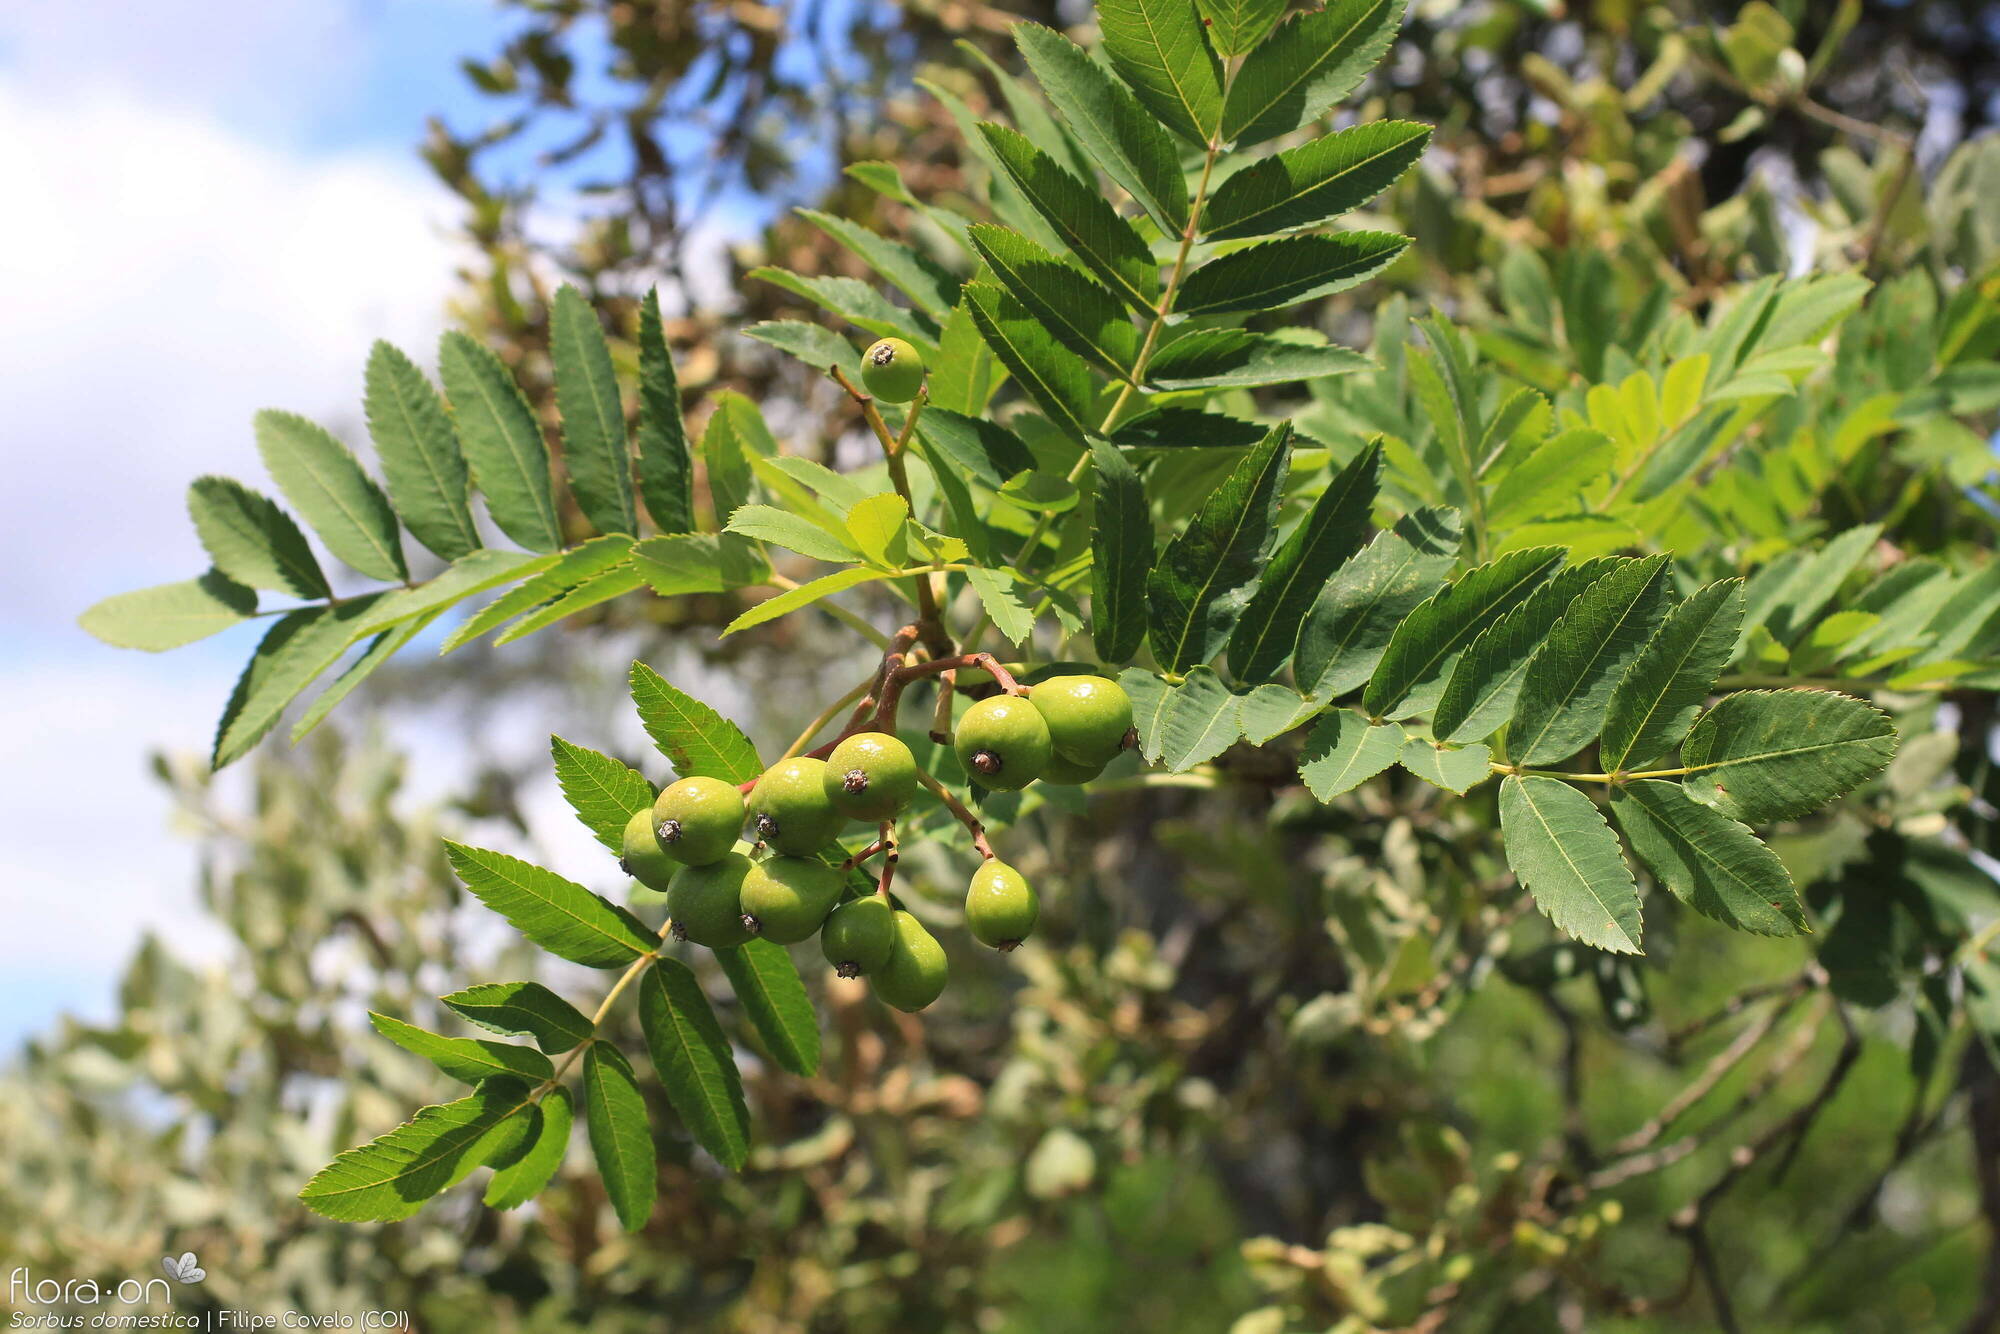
(777, 878)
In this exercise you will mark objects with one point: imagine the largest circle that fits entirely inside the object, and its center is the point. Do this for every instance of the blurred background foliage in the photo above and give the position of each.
(1272, 1064)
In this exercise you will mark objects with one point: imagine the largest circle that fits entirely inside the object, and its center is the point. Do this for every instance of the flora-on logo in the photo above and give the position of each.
(183, 1270)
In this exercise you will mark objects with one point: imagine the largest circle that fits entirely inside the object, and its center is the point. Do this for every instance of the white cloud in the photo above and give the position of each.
(166, 277)
(165, 274)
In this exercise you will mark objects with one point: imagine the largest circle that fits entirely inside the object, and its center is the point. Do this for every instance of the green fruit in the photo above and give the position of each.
(705, 903)
(870, 776)
(789, 810)
(914, 975)
(1003, 743)
(1066, 772)
(859, 935)
(892, 370)
(697, 820)
(786, 898)
(1000, 906)
(1088, 716)
(645, 860)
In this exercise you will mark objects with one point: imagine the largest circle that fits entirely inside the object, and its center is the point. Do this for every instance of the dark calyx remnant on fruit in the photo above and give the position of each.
(791, 810)
(871, 776)
(1003, 742)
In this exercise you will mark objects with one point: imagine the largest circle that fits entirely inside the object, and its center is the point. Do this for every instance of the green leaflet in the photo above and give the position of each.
(1186, 428)
(1049, 373)
(419, 453)
(694, 1061)
(1089, 227)
(1487, 679)
(169, 615)
(1569, 680)
(1454, 769)
(1410, 676)
(1236, 26)
(666, 471)
(502, 442)
(728, 443)
(1560, 848)
(766, 523)
(1549, 481)
(987, 452)
(1000, 594)
(1764, 755)
(1315, 182)
(475, 572)
(385, 646)
(1324, 540)
(1656, 700)
(1707, 860)
(390, 1177)
(1200, 721)
(815, 345)
(554, 576)
(1353, 617)
(768, 986)
(1345, 751)
(1287, 271)
(615, 582)
(966, 374)
(1125, 140)
(521, 1180)
(856, 302)
(1150, 699)
(1069, 303)
(695, 738)
(919, 277)
(561, 916)
(620, 1138)
(470, 1060)
(526, 1008)
(678, 563)
(251, 540)
(1157, 46)
(1205, 575)
(803, 596)
(292, 655)
(1306, 66)
(342, 503)
(595, 448)
(1270, 710)
(604, 793)
(1236, 358)
(1121, 547)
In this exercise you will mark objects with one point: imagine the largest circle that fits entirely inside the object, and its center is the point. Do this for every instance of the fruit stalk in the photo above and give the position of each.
(958, 808)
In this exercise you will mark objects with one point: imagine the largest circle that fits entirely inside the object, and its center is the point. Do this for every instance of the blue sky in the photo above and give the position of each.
(215, 206)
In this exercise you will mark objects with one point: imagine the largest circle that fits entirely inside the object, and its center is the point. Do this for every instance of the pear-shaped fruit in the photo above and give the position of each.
(645, 860)
(789, 810)
(786, 898)
(870, 776)
(915, 972)
(1066, 772)
(1003, 743)
(859, 935)
(892, 370)
(697, 820)
(1000, 906)
(705, 903)
(1088, 716)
